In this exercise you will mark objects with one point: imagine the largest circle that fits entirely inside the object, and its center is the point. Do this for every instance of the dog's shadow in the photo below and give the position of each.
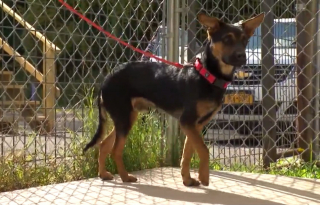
(207, 196)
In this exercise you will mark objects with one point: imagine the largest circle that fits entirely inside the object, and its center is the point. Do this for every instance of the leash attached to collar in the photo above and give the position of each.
(208, 76)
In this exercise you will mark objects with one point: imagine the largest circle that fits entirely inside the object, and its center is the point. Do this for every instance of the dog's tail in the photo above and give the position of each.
(101, 127)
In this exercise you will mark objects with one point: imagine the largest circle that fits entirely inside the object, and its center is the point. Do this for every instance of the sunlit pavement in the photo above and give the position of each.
(164, 186)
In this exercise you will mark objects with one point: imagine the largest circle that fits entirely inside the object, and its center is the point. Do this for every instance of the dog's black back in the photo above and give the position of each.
(168, 87)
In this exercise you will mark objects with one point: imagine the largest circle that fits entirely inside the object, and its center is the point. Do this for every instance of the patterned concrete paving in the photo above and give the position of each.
(164, 186)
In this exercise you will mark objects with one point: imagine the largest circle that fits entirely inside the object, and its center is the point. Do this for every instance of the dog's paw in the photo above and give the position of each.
(106, 176)
(205, 183)
(204, 180)
(129, 178)
(191, 182)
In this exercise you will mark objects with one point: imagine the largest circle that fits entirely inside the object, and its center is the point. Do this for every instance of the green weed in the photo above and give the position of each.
(143, 150)
(292, 167)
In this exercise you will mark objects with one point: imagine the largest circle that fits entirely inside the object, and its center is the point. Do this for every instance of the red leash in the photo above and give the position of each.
(117, 39)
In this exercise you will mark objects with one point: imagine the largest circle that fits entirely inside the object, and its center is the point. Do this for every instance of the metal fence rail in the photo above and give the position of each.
(52, 63)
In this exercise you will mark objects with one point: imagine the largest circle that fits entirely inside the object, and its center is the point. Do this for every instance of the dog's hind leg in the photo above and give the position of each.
(106, 145)
(105, 149)
(123, 124)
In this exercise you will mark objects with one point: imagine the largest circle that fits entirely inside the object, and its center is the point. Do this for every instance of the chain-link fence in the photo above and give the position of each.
(259, 122)
(52, 63)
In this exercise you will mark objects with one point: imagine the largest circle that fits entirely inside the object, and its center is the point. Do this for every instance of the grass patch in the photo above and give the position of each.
(292, 167)
(143, 150)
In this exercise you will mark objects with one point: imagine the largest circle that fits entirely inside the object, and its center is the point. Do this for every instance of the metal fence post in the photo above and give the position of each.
(316, 123)
(172, 55)
(305, 73)
(268, 90)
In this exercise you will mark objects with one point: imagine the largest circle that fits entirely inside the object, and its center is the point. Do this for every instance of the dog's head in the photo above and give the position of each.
(228, 42)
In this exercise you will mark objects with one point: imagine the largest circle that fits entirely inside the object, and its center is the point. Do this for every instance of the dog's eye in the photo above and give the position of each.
(227, 39)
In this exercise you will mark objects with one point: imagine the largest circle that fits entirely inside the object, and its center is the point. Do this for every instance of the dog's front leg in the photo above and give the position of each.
(194, 140)
(188, 151)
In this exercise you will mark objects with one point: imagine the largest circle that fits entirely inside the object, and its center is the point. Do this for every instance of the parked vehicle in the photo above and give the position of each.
(241, 115)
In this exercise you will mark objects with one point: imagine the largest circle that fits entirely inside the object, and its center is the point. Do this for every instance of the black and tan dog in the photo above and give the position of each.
(193, 95)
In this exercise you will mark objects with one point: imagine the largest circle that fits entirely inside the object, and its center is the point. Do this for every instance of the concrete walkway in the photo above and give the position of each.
(164, 186)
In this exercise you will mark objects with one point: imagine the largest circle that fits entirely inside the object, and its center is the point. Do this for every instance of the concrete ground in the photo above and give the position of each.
(164, 186)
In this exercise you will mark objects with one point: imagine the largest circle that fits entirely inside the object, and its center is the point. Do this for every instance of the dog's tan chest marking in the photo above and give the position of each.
(204, 107)
(206, 110)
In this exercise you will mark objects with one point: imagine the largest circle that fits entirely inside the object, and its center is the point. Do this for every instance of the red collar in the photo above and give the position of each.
(208, 76)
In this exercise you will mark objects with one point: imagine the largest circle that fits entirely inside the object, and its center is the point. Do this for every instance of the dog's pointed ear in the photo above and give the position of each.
(250, 25)
(208, 21)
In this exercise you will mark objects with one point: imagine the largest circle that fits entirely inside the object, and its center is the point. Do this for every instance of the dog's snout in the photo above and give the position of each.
(241, 56)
